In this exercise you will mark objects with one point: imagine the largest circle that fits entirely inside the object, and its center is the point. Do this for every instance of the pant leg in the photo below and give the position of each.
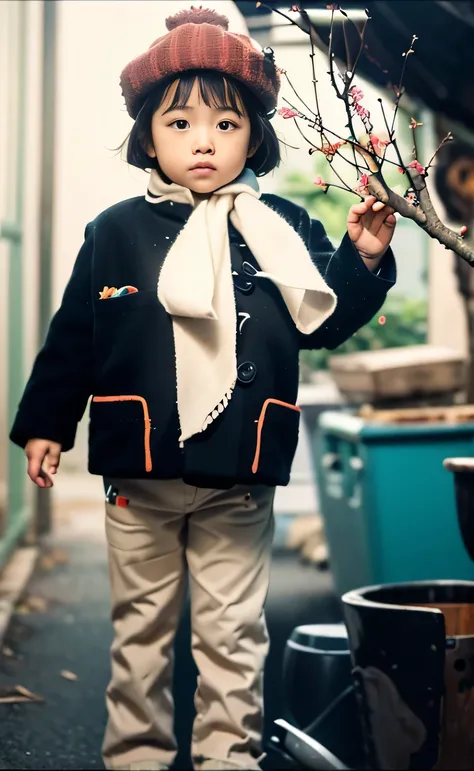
(228, 552)
(148, 580)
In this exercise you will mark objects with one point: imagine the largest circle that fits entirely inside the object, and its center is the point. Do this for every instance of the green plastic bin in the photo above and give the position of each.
(388, 504)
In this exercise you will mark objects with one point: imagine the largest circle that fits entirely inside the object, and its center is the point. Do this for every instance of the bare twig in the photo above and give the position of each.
(346, 46)
(346, 186)
(361, 48)
(395, 146)
(400, 91)
(447, 138)
(316, 114)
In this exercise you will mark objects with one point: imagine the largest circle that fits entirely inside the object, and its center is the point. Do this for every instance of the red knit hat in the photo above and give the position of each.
(198, 39)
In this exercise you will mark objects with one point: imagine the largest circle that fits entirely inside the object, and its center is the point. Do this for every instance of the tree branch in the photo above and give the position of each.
(436, 229)
(379, 188)
(424, 215)
(421, 212)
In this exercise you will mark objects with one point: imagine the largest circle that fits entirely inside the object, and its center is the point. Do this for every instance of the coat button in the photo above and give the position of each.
(248, 268)
(246, 372)
(243, 284)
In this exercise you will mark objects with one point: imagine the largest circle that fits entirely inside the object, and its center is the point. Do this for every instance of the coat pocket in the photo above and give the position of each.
(118, 306)
(121, 424)
(277, 438)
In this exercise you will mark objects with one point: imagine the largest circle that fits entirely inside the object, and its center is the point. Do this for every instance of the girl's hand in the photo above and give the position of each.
(43, 461)
(370, 225)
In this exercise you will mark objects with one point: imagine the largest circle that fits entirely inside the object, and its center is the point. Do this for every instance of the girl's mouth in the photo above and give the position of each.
(203, 171)
(203, 168)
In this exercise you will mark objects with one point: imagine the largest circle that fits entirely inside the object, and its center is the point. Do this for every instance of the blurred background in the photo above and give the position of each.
(61, 116)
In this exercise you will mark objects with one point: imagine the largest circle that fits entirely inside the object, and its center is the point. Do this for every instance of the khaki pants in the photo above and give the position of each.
(223, 539)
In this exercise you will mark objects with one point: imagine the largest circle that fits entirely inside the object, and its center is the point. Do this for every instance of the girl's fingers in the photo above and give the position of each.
(36, 458)
(369, 205)
(52, 460)
(44, 480)
(357, 211)
(384, 216)
(34, 467)
(390, 221)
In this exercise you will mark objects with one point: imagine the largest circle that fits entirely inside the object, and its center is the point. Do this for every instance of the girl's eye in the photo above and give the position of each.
(180, 124)
(226, 125)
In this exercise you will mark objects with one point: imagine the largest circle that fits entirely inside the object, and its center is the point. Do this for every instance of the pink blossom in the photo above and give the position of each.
(417, 166)
(378, 144)
(319, 182)
(295, 8)
(330, 150)
(362, 112)
(363, 185)
(463, 231)
(356, 93)
(287, 112)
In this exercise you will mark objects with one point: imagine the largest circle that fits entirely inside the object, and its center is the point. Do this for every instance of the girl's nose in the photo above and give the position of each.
(203, 145)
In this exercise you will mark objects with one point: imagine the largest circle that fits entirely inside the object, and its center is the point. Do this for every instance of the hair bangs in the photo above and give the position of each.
(215, 90)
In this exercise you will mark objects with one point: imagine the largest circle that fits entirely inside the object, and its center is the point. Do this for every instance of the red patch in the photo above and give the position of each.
(121, 501)
(382, 320)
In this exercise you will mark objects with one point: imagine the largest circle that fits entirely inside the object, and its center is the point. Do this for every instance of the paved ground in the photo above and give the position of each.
(73, 633)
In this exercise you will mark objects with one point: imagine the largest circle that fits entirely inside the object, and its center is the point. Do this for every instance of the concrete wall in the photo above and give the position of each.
(9, 94)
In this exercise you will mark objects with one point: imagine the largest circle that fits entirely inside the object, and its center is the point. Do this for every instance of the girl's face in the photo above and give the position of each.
(200, 147)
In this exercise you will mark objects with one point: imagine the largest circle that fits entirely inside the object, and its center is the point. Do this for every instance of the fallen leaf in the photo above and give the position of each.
(68, 675)
(18, 694)
(46, 562)
(60, 557)
(36, 603)
(28, 694)
(50, 559)
(31, 604)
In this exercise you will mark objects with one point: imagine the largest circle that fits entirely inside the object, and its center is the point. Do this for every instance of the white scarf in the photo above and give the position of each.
(196, 288)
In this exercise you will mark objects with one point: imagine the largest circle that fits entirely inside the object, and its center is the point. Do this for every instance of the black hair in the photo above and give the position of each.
(216, 90)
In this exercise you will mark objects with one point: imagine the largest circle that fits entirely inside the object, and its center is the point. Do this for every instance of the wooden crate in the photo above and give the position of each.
(397, 374)
(450, 415)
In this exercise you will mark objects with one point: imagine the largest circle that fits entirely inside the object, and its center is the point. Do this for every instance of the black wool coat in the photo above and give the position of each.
(120, 351)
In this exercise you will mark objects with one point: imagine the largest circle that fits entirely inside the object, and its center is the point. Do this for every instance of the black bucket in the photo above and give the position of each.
(412, 648)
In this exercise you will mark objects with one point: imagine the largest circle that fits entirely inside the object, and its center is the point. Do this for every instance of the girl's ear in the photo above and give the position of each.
(150, 151)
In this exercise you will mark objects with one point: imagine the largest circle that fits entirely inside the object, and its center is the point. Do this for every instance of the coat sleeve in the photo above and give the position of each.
(61, 380)
(360, 293)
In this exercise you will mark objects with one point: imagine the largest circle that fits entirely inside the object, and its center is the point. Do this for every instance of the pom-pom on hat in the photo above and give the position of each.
(198, 39)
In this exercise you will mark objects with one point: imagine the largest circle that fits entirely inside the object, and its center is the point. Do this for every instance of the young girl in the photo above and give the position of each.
(183, 318)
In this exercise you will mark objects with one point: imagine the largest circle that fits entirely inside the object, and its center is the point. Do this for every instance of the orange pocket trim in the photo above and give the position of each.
(146, 418)
(260, 423)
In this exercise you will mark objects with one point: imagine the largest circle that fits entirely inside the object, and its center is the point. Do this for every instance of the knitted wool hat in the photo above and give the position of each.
(198, 39)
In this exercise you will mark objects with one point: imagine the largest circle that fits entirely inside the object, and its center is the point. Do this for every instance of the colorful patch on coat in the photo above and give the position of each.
(112, 291)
